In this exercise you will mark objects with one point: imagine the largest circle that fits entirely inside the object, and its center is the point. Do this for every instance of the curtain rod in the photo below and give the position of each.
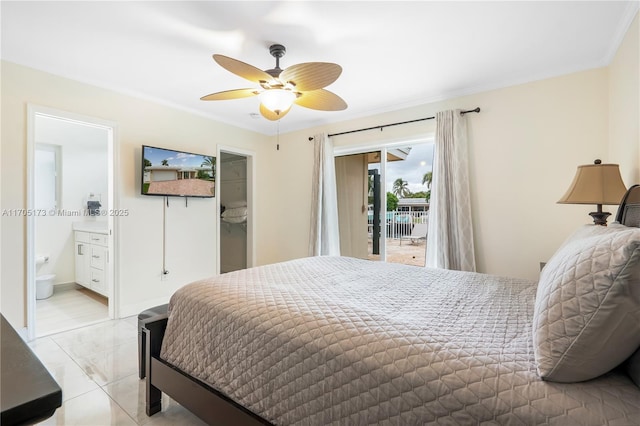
(477, 109)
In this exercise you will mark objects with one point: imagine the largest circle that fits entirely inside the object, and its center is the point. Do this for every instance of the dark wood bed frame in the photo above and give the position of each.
(201, 399)
(217, 409)
(629, 210)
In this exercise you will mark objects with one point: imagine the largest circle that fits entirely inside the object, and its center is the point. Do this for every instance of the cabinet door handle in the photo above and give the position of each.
(95, 281)
(95, 257)
(80, 253)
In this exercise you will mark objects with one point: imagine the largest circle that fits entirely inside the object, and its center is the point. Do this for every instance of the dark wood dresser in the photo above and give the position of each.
(28, 393)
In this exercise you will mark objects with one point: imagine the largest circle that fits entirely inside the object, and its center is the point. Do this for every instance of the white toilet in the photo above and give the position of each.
(44, 286)
(44, 283)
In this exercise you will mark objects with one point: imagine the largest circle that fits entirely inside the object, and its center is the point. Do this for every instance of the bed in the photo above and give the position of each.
(337, 340)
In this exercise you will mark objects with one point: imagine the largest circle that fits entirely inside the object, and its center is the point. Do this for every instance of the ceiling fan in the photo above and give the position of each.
(278, 89)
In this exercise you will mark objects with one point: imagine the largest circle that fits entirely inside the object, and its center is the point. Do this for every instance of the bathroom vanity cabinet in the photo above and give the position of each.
(91, 253)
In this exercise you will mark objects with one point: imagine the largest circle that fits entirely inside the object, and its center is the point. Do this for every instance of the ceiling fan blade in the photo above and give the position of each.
(230, 94)
(322, 100)
(270, 115)
(242, 69)
(311, 75)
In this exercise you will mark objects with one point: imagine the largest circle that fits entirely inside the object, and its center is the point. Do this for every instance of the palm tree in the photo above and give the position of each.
(427, 179)
(401, 188)
(210, 162)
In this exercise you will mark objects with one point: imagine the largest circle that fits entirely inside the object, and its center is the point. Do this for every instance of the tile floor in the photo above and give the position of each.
(69, 307)
(97, 368)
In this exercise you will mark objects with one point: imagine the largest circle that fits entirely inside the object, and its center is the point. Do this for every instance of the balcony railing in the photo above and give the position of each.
(399, 223)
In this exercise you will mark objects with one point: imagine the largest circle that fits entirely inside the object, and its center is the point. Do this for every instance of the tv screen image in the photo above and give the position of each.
(167, 172)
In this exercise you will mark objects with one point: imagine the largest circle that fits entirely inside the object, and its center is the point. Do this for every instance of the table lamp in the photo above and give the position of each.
(597, 184)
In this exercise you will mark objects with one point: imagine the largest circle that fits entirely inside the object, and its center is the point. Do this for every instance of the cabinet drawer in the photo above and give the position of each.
(99, 239)
(83, 237)
(98, 257)
(98, 281)
(82, 264)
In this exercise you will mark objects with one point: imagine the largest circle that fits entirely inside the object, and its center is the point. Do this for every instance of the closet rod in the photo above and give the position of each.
(477, 109)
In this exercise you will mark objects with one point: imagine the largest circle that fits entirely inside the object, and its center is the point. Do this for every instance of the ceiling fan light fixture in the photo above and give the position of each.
(278, 89)
(277, 100)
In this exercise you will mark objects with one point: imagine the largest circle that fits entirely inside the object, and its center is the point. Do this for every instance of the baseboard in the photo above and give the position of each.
(22, 332)
(136, 308)
(65, 286)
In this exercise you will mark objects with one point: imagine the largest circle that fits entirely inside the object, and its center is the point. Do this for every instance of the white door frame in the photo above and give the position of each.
(112, 153)
(251, 205)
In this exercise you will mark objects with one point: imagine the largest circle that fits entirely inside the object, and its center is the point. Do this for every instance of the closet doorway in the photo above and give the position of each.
(235, 232)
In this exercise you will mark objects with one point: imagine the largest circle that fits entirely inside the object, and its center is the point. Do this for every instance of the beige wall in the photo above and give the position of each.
(191, 231)
(624, 106)
(524, 149)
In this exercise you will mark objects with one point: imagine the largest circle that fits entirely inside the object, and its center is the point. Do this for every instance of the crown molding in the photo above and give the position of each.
(627, 18)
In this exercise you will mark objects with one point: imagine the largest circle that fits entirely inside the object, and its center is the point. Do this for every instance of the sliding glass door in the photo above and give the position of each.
(383, 202)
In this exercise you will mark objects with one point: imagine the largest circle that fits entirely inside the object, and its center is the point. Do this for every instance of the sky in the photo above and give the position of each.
(418, 162)
(175, 158)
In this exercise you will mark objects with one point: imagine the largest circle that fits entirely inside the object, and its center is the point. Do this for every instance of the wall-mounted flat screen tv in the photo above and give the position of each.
(168, 172)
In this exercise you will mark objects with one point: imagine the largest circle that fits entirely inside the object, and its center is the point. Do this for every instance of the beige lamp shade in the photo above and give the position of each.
(595, 184)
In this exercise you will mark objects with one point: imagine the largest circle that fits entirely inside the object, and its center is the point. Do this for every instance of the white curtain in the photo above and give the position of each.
(324, 238)
(450, 236)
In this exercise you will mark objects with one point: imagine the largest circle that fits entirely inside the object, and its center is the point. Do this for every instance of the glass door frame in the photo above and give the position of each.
(382, 147)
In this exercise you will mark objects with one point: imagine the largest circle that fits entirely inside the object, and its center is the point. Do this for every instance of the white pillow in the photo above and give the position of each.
(235, 212)
(591, 230)
(587, 310)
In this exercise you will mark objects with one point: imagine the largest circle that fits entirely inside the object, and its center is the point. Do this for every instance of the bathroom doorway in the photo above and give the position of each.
(70, 241)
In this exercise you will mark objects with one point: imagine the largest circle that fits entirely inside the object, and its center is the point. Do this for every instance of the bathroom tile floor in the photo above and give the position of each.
(97, 368)
(70, 306)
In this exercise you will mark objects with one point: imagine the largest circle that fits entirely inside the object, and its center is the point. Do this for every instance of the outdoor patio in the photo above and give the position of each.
(408, 253)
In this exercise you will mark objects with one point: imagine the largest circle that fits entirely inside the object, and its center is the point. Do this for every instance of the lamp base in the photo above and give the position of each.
(600, 217)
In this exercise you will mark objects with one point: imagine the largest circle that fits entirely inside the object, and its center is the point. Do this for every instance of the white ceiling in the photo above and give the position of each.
(394, 54)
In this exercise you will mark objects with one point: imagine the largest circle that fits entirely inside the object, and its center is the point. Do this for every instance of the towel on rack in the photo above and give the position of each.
(94, 208)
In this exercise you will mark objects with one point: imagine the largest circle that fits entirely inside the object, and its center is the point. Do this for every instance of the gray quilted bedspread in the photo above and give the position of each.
(330, 340)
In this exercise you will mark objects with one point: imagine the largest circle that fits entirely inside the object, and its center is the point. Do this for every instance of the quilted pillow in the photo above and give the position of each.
(591, 230)
(587, 310)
